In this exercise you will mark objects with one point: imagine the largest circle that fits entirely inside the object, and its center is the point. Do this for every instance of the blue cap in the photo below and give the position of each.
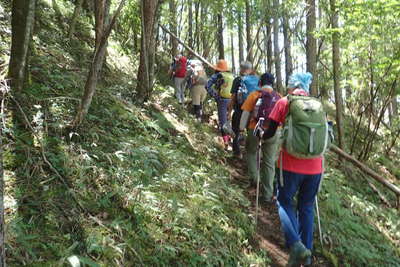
(301, 81)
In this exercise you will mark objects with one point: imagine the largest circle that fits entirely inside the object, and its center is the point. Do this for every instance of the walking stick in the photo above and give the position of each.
(258, 132)
(319, 221)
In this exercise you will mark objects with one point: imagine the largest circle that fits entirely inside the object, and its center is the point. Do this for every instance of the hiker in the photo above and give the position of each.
(257, 106)
(178, 73)
(219, 86)
(238, 87)
(197, 79)
(300, 163)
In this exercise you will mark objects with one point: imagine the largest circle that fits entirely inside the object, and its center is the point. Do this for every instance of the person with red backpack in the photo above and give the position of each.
(256, 109)
(305, 139)
(178, 72)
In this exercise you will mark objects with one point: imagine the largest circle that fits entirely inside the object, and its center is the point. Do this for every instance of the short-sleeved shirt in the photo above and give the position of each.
(289, 162)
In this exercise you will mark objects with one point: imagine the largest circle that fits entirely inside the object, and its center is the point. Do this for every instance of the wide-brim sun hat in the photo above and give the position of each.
(222, 65)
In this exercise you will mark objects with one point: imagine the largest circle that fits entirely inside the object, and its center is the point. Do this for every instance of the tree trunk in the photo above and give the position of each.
(98, 58)
(74, 18)
(220, 37)
(277, 57)
(22, 21)
(240, 36)
(190, 22)
(288, 48)
(248, 32)
(270, 62)
(233, 53)
(173, 26)
(395, 107)
(196, 46)
(145, 76)
(2, 225)
(336, 72)
(311, 45)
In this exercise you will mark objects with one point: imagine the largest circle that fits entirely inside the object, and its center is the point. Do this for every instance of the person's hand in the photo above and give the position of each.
(258, 132)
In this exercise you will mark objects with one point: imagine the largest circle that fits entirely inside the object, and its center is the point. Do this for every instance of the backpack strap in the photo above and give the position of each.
(281, 167)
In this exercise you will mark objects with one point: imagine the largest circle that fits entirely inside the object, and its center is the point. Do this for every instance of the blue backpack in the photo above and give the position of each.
(249, 84)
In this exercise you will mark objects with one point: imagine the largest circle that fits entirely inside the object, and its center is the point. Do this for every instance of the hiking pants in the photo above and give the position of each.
(269, 155)
(222, 104)
(179, 85)
(237, 114)
(297, 222)
(199, 94)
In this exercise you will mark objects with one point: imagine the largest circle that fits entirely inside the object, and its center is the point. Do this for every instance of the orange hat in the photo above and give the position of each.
(222, 65)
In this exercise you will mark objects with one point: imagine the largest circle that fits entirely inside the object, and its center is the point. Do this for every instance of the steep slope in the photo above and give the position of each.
(154, 187)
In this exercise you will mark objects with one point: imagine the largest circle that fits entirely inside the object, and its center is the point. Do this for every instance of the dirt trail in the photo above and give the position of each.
(268, 234)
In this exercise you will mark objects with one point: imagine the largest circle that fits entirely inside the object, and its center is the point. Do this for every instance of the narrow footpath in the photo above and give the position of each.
(268, 233)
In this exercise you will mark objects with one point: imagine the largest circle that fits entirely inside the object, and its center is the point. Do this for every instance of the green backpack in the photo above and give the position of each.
(306, 131)
(226, 85)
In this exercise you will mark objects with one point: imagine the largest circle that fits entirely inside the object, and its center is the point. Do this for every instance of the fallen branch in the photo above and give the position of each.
(369, 171)
(186, 46)
(379, 193)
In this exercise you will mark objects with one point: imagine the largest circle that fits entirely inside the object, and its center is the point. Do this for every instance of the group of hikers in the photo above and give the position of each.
(285, 137)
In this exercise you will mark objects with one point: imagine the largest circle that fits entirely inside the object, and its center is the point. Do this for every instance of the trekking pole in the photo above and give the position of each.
(258, 179)
(319, 220)
(316, 202)
(255, 133)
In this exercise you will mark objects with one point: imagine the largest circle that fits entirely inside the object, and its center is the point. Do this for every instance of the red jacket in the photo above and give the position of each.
(181, 68)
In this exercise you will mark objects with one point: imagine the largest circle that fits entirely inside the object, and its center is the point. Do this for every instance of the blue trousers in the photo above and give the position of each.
(222, 105)
(298, 222)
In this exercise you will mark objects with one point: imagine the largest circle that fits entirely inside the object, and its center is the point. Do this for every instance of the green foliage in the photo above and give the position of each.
(356, 229)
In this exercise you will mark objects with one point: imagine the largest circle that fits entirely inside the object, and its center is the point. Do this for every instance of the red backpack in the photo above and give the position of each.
(181, 67)
(265, 104)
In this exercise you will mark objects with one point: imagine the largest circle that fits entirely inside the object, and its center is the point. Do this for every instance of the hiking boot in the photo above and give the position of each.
(238, 155)
(298, 254)
(308, 261)
(270, 200)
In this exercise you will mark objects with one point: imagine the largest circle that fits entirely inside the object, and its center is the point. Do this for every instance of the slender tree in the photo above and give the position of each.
(220, 37)
(277, 56)
(268, 39)
(288, 48)
(336, 72)
(248, 32)
(172, 26)
(190, 23)
(2, 224)
(22, 21)
(197, 28)
(240, 36)
(74, 18)
(145, 76)
(311, 45)
(232, 53)
(98, 57)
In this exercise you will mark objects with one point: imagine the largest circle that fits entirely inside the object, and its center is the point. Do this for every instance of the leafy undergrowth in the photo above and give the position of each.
(154, 198)
(152, 189)
(358, 229)
(152, 182)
